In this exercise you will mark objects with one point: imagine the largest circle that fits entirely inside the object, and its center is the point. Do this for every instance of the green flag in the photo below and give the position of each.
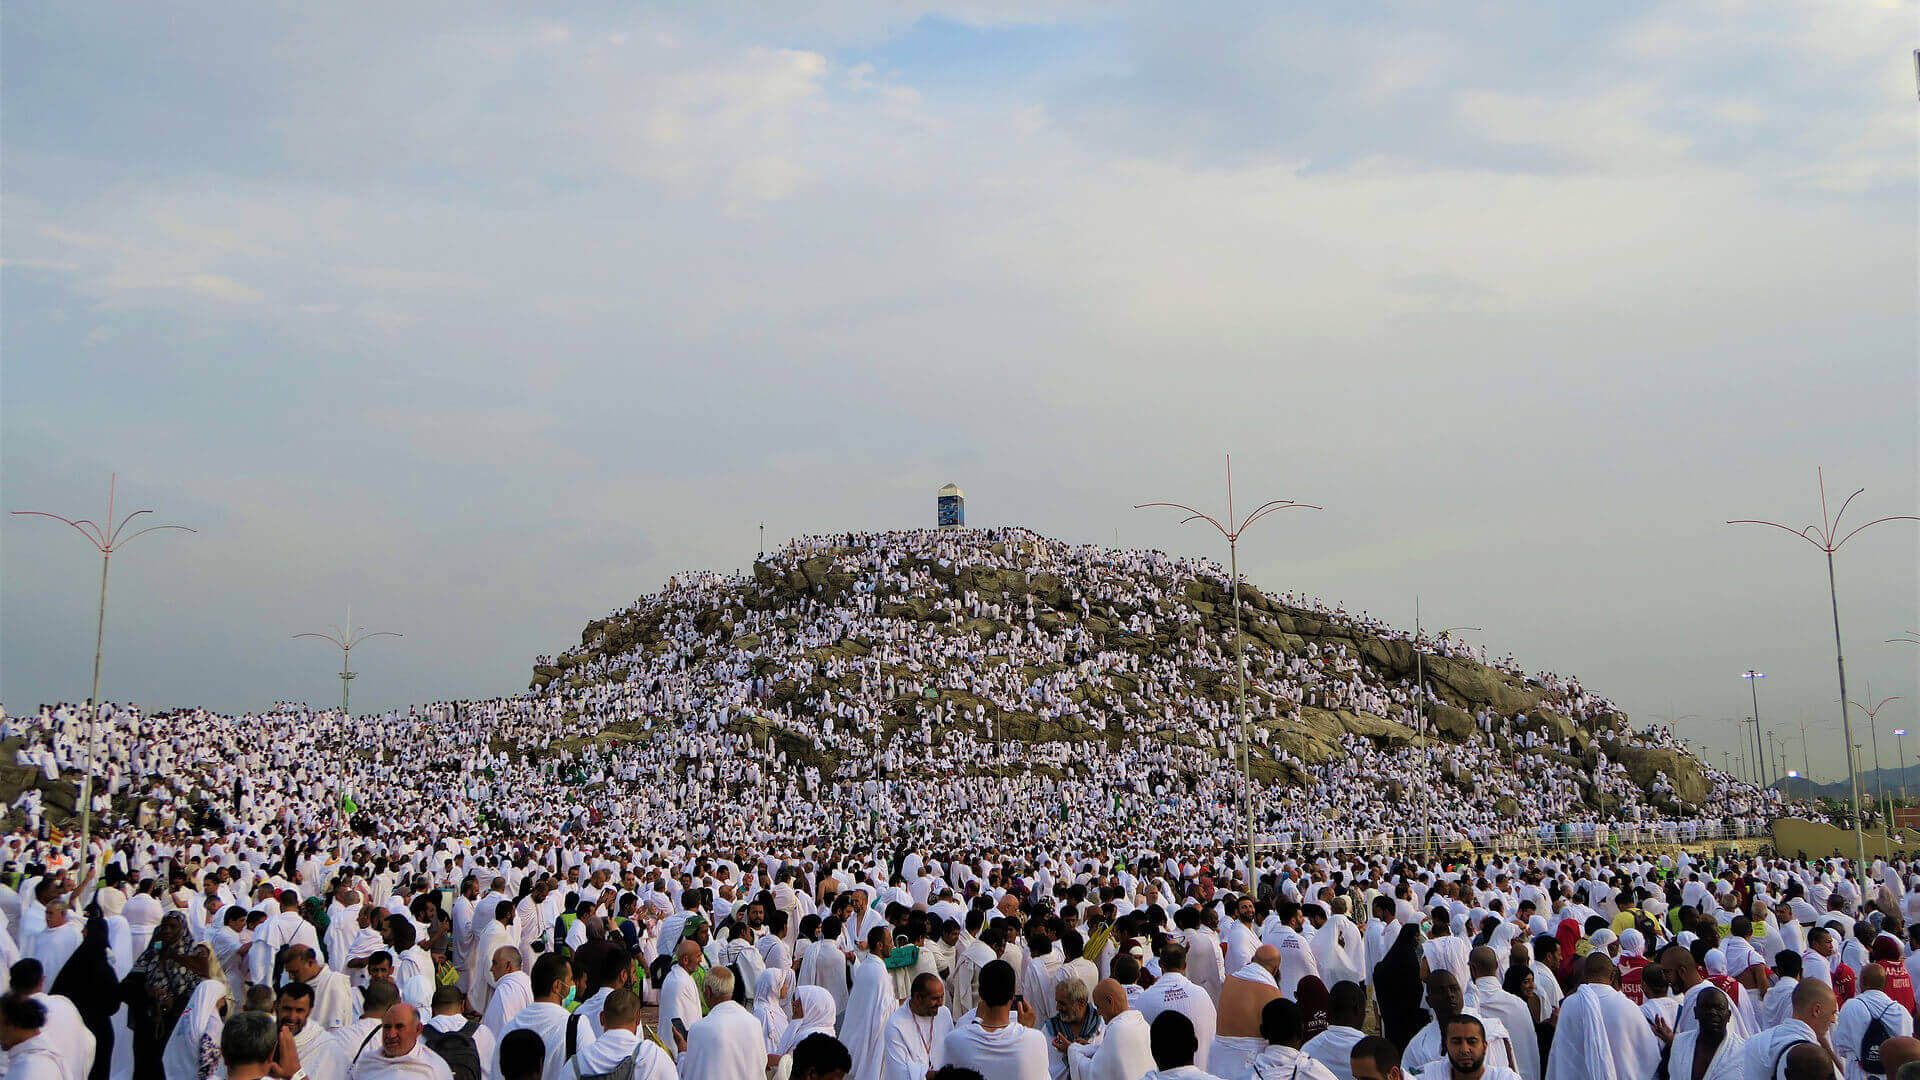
(348, 806)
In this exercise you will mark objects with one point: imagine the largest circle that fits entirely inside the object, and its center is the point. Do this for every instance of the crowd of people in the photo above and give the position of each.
(906, 771)
(385, 958)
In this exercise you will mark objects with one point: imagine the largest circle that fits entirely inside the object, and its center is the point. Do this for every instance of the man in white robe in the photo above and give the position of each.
(311, 1042)
(823, 964)
(343, 924)
(619, 1041)
(54, 945)
(285, 928)
(64, 1029)
(332, 991)
(512, 990)
(962, 988)
(1339, 948)
(996, 1042)
(1446, 998)
(496, 935)
(1601, 1034)
(680, 994)
(1204, 963)
(1174, 991)
(1125, 1050)
(231, 942)
(1346, 1012)
(916, 1035)
(1040, 973)
(1860, 1011)
(869, 1004)
(727, 1044)
(1241, 938)
(449, 1015)
(1296, 958)
(1727, 1062)
(1487, 998)
(402, 1053)
(1814, 1012)
(546, 1016)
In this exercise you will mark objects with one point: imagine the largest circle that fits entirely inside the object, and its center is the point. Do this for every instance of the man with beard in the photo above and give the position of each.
(311, 1042)
(1466, 1057)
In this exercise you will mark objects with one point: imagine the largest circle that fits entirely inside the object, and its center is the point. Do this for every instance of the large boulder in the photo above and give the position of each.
(1452, 722)
(1305, 743)
(1377, 728)
(1644, 763)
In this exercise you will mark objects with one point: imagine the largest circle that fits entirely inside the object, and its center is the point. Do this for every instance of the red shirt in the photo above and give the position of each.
(1899, 984)
(1633, 985)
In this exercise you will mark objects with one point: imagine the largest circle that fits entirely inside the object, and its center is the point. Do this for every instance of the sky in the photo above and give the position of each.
(481, 321)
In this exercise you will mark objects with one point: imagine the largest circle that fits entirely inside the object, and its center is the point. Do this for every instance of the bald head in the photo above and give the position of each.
(506, 961)
(1482, 962)
(1873, 977)
(1598, 968)
(1109, 999)
(687, 955)
(1267, 957)
(1814, 1004)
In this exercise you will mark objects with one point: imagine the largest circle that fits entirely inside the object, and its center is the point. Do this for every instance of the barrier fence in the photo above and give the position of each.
(1390, 842)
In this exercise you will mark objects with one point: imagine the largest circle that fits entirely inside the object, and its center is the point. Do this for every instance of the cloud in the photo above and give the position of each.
(496, 330)
(223, 288)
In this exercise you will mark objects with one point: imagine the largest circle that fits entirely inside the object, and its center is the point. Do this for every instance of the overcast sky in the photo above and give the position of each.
(485, 322)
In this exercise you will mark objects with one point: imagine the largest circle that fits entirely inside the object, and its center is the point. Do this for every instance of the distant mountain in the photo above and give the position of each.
(1870, 781)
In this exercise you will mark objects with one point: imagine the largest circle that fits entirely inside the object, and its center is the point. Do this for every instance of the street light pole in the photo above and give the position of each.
(1232, 531)
(1873, 724)
(348, 637)
(1828, 538)
(1753, 683)
(106, 538)
(1900, 737)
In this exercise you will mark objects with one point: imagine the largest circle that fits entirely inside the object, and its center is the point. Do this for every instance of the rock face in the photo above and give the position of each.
(1647, 763)
(1018, 582)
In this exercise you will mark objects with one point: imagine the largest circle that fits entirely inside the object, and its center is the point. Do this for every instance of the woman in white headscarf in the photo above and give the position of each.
(770, 993)
(193, 1050)
(817, 1014)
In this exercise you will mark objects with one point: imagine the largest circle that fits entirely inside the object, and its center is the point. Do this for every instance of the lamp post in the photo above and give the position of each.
(1232, 531)
(1753, 683)
(106, 538)
(345, 641)
(1900, 737)
(1873, 725)
(1743, 755)
(1828, 538)
(1420, 690)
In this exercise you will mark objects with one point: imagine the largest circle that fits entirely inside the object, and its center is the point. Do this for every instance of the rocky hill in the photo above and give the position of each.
(838, 648)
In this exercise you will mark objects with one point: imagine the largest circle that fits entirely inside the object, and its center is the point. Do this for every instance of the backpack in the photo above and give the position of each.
(622, 1071)
(1877, 1032)
(456, 1048)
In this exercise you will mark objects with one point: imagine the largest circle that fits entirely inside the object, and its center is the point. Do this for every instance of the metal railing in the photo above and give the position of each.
(1579, 835)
